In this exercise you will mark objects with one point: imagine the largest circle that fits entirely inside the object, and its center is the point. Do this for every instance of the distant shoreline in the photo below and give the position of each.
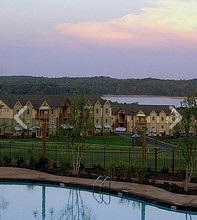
(158, 96)
(145, 99)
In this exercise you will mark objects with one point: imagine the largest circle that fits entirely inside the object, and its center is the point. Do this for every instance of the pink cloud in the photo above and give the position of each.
(163, 23)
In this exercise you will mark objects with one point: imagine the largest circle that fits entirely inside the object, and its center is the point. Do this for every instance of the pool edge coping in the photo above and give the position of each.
(114, 191)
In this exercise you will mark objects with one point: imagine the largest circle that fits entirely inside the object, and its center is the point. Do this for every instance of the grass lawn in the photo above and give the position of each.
(119, 140)
(104, 150)
(103, 140)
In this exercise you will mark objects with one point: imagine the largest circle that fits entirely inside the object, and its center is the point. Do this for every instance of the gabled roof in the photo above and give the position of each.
(36, 100)
(53, 100)
(58, 100)
(98, 102)
(147, 109)
(19, 103)
(44, 105)
(133, 109)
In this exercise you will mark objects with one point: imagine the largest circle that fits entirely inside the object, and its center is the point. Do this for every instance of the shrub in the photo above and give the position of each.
(7, 160)
(43, 163)
(31, 159)
(142, 175)
(20, 162)
(129, 170)
(165, 170)
(110, 169)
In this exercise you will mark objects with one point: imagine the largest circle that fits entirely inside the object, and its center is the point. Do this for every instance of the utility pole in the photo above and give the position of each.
(44, 126)
(144, 147)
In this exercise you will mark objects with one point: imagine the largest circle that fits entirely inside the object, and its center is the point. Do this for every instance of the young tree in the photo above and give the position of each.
(77, 129)
(188, 143)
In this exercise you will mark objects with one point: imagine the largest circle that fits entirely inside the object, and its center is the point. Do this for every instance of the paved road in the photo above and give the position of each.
(152, 141)
(159, 144)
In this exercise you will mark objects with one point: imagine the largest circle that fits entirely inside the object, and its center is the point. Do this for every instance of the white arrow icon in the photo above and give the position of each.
(16, 117)
(178, 117)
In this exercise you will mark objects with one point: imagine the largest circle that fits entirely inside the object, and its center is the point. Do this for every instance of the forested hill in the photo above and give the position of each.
(96, 85)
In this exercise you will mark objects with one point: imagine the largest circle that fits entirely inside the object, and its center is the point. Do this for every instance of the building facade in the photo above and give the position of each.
(153, 118)
(54, 111)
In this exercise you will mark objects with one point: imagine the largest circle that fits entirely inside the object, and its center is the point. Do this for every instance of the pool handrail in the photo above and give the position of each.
(98, 178)
(106, 178)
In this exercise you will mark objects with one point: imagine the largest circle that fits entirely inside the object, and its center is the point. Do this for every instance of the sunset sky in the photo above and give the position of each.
(116, 38)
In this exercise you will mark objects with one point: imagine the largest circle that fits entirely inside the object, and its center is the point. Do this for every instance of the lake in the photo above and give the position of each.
(145, 100)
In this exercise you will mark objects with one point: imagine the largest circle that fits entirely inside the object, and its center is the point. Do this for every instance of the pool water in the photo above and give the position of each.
(29, 201)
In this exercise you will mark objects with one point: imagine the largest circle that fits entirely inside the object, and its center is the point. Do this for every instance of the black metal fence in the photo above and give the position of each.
(166, 160)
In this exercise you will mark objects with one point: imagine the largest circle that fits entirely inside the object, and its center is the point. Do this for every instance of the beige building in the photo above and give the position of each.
(52, 110)
(102, 115)
(55, 111)
(154, 118)
(6, 118)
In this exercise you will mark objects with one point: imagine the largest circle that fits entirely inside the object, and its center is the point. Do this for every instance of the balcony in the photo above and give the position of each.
(120, 123)
(42, 117)
(64, 116)
(121, 120)
(141, 122)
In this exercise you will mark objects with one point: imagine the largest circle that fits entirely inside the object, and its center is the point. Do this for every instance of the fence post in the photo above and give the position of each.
(93, 162)
(104, 156)
(56, 156)
(156, 159)
(10, 152)
(173, 159)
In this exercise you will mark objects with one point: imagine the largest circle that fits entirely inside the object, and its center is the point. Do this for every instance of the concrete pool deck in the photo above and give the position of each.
(148, 193)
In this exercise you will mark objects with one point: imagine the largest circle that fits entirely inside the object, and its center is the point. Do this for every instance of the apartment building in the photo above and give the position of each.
(51, 110)
(153, 118)
(54, 111)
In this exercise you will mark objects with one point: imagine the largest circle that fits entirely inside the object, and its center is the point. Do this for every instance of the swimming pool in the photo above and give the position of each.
(46, 202)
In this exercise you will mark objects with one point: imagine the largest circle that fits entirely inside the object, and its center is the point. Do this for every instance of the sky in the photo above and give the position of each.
(116, 38)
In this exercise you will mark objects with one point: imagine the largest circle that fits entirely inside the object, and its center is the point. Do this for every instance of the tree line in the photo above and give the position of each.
(96, 85)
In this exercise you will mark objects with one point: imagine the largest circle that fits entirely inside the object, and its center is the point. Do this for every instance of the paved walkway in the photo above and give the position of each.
(149, 193)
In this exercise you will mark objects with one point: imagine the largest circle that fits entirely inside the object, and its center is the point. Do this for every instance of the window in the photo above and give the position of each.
(52, 111)
(97, 111)
(106, 110)
(17, 110)
(162, 118)
(97, 121)
(28, 112)
(106, 120)
(162, 127)
(153, 118)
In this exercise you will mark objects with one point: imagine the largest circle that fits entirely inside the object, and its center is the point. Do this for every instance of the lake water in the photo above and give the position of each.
(44, 202)
(145, 100)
